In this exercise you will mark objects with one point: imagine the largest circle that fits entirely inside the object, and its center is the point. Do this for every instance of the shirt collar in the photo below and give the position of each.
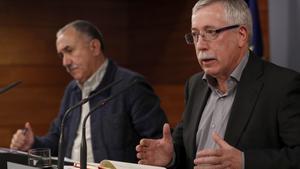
(237, 72)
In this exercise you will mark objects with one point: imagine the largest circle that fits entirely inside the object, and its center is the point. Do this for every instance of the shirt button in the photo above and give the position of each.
(213, 126)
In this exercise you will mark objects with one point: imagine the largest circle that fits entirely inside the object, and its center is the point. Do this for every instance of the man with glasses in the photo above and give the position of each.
(241, 111)
(113, 130)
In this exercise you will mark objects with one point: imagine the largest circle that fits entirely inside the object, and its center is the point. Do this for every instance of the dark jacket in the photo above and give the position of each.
(116, 127)
(264, 119)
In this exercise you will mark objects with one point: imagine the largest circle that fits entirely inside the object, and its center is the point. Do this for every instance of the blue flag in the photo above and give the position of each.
(257, 44)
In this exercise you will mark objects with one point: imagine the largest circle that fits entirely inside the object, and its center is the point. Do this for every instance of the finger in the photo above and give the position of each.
(19, 133)
(138, 148)
(139, 155)
(16, 143)
(18, 136)
(143, 149)
(146, 142)
(208, 166)
(220, 141)
(204, 166)
(144, 157)
(142, 162)
(208, 160)
(167, 133)
(142, 152)
(13, 144)
(208, 152)
(223, 165)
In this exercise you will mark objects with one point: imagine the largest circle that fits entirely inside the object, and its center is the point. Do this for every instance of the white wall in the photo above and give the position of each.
(284, 18)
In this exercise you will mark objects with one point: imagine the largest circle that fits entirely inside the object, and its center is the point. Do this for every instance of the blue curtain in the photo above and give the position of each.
(257, 44)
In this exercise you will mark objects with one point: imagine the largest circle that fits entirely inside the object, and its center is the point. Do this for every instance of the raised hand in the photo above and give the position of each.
(157, 152)
(225, 157)
(23, 139)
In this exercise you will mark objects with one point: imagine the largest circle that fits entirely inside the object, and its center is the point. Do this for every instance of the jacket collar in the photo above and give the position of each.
(107, 79)
(248, 91)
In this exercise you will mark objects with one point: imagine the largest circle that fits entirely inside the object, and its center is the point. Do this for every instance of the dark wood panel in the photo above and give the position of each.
(32, 75)
(156, 41)
(172, 101)
(264, 19)
(38, 105)
(25, 45)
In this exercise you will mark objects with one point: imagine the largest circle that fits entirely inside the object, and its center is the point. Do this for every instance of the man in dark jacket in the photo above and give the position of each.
(241, 111)
(114, 129)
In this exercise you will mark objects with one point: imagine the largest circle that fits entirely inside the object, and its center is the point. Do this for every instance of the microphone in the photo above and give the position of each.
(60, 158)
(10, 86)
(83, 151)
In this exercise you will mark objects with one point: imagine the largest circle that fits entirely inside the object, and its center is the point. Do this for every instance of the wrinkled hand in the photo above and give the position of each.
(225, 157)
(23, 140)
(157, 152)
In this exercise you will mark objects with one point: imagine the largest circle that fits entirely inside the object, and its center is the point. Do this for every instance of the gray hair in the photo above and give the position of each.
(85, 28)
(236, 12)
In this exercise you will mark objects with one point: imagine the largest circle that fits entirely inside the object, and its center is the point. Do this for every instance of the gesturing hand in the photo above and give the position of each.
(225, 157)
(23, 139)
(156, 151)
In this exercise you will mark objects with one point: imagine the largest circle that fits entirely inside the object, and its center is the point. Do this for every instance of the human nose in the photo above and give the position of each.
(201, 42)
(66, 61)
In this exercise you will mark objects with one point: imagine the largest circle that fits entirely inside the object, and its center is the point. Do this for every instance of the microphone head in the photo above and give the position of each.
(10, 86)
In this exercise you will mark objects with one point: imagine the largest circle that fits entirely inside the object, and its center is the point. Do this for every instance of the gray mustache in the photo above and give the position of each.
(203, 56)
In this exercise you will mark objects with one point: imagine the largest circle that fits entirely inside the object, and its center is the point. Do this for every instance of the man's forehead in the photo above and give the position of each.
(215, 8)
(208, 16)
(203, 16)
(63, 41)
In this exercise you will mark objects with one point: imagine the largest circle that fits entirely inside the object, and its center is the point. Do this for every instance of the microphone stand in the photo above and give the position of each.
(8, 87)
(61, 155)
(83, 151)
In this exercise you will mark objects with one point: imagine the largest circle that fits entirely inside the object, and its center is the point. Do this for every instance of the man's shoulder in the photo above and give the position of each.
(274, 77)
(72, 85)
(196, 77)
(274, 71)
(71, 88)
(124, 72)
(128, 78)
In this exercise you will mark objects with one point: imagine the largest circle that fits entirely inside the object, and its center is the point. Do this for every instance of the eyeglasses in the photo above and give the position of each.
(207, 34)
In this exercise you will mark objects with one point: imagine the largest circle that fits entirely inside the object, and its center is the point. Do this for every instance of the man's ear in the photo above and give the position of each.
(243, 36)
(95, 46)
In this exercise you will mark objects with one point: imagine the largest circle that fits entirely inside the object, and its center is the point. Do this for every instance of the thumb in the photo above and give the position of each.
(29, 137)
(220, 141)
(28, 128)
(167, 133)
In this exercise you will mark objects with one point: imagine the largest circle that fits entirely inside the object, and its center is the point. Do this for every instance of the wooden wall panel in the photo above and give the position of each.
(264, 19)
(156, 36)
(38, 105)
(172, 100)
(32, 75)
(142, 35)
